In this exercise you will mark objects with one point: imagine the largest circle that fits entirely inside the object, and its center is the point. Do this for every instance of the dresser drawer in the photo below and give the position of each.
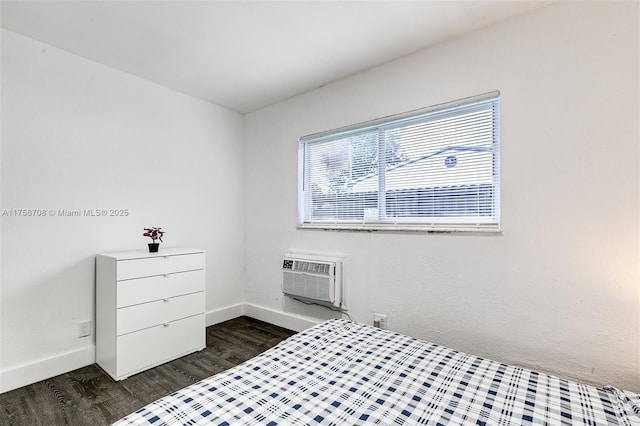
(141, 290)
(138, 268)
(138, 317)
(152, 346)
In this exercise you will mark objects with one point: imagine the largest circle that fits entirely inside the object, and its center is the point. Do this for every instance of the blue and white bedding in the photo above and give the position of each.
(342, 373)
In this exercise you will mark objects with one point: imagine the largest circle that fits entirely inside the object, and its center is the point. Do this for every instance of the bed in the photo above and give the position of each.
(343, 373)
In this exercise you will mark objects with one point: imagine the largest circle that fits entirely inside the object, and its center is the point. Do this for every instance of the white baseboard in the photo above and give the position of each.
(272, 316)
(35, 371)
(282, 319)
(224, 314)
(32, 372)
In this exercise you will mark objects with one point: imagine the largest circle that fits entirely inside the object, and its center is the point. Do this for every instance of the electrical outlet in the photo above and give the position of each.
(380, 321)
(84, 328)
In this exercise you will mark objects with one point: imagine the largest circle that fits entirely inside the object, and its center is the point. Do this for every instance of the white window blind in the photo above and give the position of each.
(433, 169)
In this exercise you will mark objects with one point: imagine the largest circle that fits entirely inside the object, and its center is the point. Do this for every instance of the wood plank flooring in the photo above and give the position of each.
(88, 396)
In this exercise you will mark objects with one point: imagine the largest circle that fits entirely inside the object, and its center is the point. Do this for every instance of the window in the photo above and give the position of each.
(436, 169)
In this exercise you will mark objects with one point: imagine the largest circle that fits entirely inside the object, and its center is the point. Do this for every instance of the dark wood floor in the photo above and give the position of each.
(88, 396)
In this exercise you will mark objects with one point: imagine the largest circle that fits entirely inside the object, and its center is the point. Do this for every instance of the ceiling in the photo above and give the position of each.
(245, 55)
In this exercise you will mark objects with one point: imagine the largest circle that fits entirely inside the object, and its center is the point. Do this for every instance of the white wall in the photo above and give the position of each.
(559, 289)
(79, 135)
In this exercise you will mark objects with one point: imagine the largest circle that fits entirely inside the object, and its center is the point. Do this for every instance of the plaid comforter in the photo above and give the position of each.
(342, 373)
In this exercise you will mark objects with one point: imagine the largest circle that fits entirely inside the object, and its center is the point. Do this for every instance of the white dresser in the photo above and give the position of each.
(149, 308)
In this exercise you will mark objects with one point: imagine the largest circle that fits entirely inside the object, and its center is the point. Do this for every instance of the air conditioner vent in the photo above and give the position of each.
(314, 267)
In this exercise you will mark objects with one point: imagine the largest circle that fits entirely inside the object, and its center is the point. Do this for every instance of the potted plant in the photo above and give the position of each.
(155, 234)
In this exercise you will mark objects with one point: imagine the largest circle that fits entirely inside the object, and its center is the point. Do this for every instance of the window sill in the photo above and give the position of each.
(401, 227)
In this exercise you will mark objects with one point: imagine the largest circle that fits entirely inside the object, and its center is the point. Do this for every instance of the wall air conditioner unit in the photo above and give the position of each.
(314, 279)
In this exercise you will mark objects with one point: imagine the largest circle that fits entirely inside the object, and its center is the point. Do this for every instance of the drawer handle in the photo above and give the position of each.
(166, 275)
(165, 300)
(166, 324)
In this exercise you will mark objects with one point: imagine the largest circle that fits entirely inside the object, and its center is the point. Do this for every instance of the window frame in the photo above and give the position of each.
(447, 224)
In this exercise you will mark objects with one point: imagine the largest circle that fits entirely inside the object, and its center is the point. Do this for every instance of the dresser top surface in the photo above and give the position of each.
(145, 254)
